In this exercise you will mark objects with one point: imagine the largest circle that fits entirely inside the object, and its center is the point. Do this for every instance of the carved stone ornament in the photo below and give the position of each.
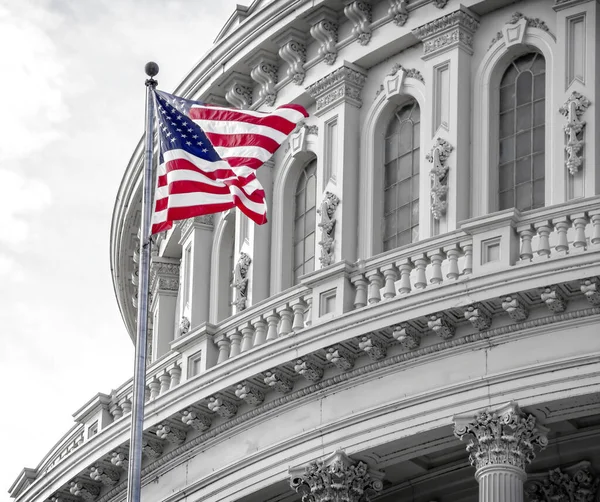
(324, 29)
(576, 483)
(327, 226)
(337, 478)
(514, 30)
(398, 12)
(359, 13)
(478, 316)
(189, 223)
(221, 406)
(278, 381)
(309, 369)
(573, 109)
(408, 336)
(264, 72)
(152, 448)
(441, 325)
(184, 326)
(171, 434)
(238, 90)
(513, 306)
(393, 81)
(439, 176)
(506, 436)
(408, 72)
(104, 475)
(440, 4)
(373, 346)
(445, 33)
(240, 281)
(554, 299)
(86, 491)
(340, 357)
(119, 459)
(249, 393)
(196, 420)
(164, 275)
(292, 49)
(341, 85)
(591, 289)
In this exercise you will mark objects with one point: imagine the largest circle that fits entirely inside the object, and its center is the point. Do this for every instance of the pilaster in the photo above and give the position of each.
(338, 103)
(164, 287)
(447, 50)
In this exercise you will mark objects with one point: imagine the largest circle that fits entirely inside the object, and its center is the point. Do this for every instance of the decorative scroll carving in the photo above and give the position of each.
(591, 289)
(398, 12)
(533, 22)
(439, 172)
(309, 369)
(327, 226)
(515, 308)
(240, 281)
(373, 346)
(152, 448)
(119, 459)
(221, 406)
(453, 30)
(573, 484)
(171, 434)
(239, 90)
(573, 109)
(278, 381)
(554, 299)
(195, 420)
(506, 436)
(84, 490)
(343, 84)
(324, 29)
(359, 13)
(478, 316)
(249, 393)
(441, 325)
(264, 72)
(336, 478)
(408, 336)
(408, 72)
(340, 357)
(107, 477)
(293, 51)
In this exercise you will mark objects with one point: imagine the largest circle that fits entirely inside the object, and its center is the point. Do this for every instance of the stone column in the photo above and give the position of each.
(164, 286)
(501, 444)
(338, 105)
(447, 50)
(196, 248)
(337, 477)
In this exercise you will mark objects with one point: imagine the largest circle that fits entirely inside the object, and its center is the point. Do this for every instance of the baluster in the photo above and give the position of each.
(224, 346)
(420, 262)
(468, 252)
(390, 274)
(406, 267)
(543, 229)
(580, 221)
(595, 219)
(154, 386)
(175, 373)
(562, 225)
(273, 321)
(299, 307)
(308, 311)
(247, 337)
(235, 338)
(375, 284)
(436, 258)
(360, 285)
(125, 405)
(115, 410)
(286, 315)
(452, 253)
(260, 331)
(526, 233)
(165, 382)
(146, 394)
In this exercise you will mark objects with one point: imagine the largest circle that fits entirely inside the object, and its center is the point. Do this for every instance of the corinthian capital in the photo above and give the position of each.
(506, 436)
(337, 477)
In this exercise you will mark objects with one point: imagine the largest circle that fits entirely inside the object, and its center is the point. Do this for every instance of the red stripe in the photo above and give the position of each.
(298, 108)
(259, 219)
(182, 213)
(186, 165)
(161, 204)
(162, 226)
(244, 161)
(275, 122)
(231, 140)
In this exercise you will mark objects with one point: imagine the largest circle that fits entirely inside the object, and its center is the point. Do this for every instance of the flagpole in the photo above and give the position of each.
(134, 481)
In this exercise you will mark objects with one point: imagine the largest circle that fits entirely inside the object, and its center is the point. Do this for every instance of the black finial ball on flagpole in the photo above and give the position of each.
(151, 69)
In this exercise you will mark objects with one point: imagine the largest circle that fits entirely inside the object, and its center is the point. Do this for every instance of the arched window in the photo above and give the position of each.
(522, 133)
(401, 177)
(304, 221)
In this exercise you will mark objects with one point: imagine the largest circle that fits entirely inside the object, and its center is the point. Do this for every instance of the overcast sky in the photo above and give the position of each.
(72, 82)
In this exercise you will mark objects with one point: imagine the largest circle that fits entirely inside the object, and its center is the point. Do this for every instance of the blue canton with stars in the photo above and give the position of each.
(177, 131)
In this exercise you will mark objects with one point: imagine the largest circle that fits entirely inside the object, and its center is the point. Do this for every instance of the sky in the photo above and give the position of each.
(72, 86)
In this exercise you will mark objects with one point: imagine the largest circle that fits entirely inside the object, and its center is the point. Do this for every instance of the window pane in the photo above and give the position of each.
(404, 167)
(539, 86)
(404, 217)
(311, 192)
(524, 88)
(404, 192)
(523, 144)
(523, 63)
(538, 139)
(389, 200)
(523, 118)
(415, 212)
(299, 254)
(415, 234)
(523, 170)
(509, 76)
(415, 187)
(507, 98)
(390, 228)
(310, 220)
(299, 229)
(538, 193)
(538, 166)
(309, 246)
(507, 199)
(539, 65)
(309, 266)
(524, 196)
(507, 150)
(300, 208)
(405, 143)
(390, 174)
(416, 134)
(507, 179)
(391, 148)
(539, 113)
(404, 238)
(507, 124)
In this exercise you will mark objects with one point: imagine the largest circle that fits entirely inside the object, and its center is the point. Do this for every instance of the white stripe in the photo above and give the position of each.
(188, 175)
(290, 114)
(250, 113)
(204, 165)
(254, 152)
(230, 127)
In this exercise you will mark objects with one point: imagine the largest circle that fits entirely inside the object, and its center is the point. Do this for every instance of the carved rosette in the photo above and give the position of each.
(439, 176)
(84, 490)
(573, 109)
(478, 316)
(441, 325)
(398, 12)
(445, 33)
(327, 226)
(238, 90)
(408, 336)
(249, 393)
(108, 477)
(513, 306)
(506, 436)
(341, 85)
(221, 406)
(240, 281)
(171, 434)
(554, 299)
(359, 13)
(264, 72)
(324, 29)
(576, 483)
(278, 381)
(591, 289)
(336, 478)
(373, 346)
(340, 357)
(197, 421)
(119, 459)
(309, 369)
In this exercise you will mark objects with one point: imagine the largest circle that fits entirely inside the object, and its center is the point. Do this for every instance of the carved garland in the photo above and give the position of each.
(240, 281)
(327, 226)
(439, 173)
(573, 109)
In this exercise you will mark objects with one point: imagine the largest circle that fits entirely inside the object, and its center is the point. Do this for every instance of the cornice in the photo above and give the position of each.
(340, 86)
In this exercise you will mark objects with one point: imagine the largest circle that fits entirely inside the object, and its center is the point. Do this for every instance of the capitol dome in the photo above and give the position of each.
(419, 320)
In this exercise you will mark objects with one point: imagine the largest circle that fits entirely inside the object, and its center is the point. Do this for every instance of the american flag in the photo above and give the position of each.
(209, 156)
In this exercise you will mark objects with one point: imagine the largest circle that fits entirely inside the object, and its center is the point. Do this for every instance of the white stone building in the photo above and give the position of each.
(428, 279)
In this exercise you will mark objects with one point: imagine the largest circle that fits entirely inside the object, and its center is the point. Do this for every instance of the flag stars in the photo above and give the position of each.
(188, 143)
(173, 140)
(195, 136)
(204, 150)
